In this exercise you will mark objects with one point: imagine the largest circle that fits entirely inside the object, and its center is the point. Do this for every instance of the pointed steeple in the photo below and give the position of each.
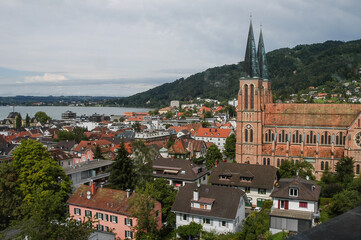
(262, 58)
(251, 66)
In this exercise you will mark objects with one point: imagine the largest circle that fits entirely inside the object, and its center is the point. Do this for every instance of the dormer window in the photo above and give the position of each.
(245, 179)
(224, 177)
(293, 192)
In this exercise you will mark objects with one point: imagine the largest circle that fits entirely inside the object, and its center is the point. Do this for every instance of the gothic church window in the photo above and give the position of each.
(246, 135)
(246, 96)
(251, 135)
(252, 96)
(357, 169)
(322, 165)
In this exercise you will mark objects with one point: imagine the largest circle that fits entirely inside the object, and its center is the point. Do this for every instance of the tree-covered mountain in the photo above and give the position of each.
(290, 69)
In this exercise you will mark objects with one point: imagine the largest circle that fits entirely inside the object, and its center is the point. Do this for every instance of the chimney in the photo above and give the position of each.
(93, 188)
(128, 192)
(195, 195)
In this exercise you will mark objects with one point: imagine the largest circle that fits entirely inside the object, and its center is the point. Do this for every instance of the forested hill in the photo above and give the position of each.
(290, 71)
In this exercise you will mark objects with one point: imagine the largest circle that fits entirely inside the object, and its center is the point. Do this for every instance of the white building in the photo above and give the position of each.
(217, 136)
(295, 205)
(216, 208)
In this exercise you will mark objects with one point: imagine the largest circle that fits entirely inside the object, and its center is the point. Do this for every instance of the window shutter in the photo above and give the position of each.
(131, 234)
(279, 204)
(286, 204)
(125, 221)
(74, 210)
(131, 222)
(116, 219)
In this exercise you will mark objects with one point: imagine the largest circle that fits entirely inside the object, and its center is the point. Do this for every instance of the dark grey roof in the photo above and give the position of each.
(251, 66)
(13, 115)
(345, 226)
(307, 189)
(186, 169)
(65, 145)
(292, 214)
(263, 175)
(127, 134)
(263, 71)
(225, 205)
(87, 166)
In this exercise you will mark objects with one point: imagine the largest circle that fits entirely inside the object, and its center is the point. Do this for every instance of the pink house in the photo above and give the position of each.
(108, 207)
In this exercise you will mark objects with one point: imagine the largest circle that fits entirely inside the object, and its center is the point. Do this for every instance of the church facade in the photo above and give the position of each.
(269, 133)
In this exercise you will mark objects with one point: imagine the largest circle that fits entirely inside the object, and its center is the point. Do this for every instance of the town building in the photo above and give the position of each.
(187, 148)
(217, 136)
(295, 205)
(269, 133)
(110, 208)
(178, 172)
(68, 115)
(256, 180)
(218, 209)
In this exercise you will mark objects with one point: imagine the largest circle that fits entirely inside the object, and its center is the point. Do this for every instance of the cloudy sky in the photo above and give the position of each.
(121, 47)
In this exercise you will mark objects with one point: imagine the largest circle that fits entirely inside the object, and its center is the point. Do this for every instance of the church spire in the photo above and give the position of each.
(251, 66)
(262, 58)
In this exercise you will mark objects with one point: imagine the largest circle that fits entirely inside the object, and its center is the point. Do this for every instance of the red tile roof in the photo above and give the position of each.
(213, 132)
(342, 115)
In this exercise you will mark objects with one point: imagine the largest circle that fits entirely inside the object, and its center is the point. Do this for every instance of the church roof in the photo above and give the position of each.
(263, 71)
(311, 115)
(251, 66)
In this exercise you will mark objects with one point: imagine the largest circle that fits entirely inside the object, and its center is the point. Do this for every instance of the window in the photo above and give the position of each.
(106, 217)
(357, 169)
(88, 213)
(322, 165)
(264, 161)
(106, 228)
(185, 217)
(278, 162)
(203, 206)
(206, 221)
(246, 96)
(251, 135)
(252, 96)
(293, 192)
(100, 227)
(128, 234)
(283, 204)
(77, 211)
(100, 216)
(261, 191)
(326, 166)
(246, 135)
(224, 223)
(113, 219)
(129, 222)
(303, 204)
(268, 161)
(247, 189)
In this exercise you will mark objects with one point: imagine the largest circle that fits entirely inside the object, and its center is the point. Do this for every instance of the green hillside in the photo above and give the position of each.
(290, 71)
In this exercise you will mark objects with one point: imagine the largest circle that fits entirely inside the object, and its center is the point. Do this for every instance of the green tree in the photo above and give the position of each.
(343, 202)
(98, 152)
(18, 122)
(27, 120)
(257, 223)
(205, 124)
(169, 115)
(170, 141)
(160, 190)
(142, 207)
(230, 146)
(42, 117)
(344, 170)
(189, 231)
(289, 169)
(143, 157)
(77, 134)
(213, 155)
(122, 172)
(10, 198)
(208, 114)
(136, 127)
(39, 175)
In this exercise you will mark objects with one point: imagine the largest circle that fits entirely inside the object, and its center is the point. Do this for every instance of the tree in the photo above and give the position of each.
(18, 122)
(122, 172)
(213, 155)
(143, 157)
(230, 146)
(27, 120)
(343, 202)
(205, 124)
(289, 169)
(257, 223)
(39, 175)
(170, 141)
(189, 231)
(136, 127)
(77, 134)
(98, 152)
(344, 170)
(169, 115)
(42, 117)
(161, 191)
(142, 207)
(208, 114)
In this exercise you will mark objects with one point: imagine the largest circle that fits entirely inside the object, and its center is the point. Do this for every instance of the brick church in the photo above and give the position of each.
(269, 133)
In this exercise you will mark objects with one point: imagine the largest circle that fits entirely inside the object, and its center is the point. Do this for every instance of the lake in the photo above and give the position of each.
(55, 111)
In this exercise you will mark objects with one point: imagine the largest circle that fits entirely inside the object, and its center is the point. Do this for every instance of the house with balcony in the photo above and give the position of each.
(256, 180)
(295, 205)
(216, 208)
(178, 172)
(109, 208)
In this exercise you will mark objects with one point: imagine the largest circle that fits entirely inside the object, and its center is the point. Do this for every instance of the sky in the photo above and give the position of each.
(122, 47)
